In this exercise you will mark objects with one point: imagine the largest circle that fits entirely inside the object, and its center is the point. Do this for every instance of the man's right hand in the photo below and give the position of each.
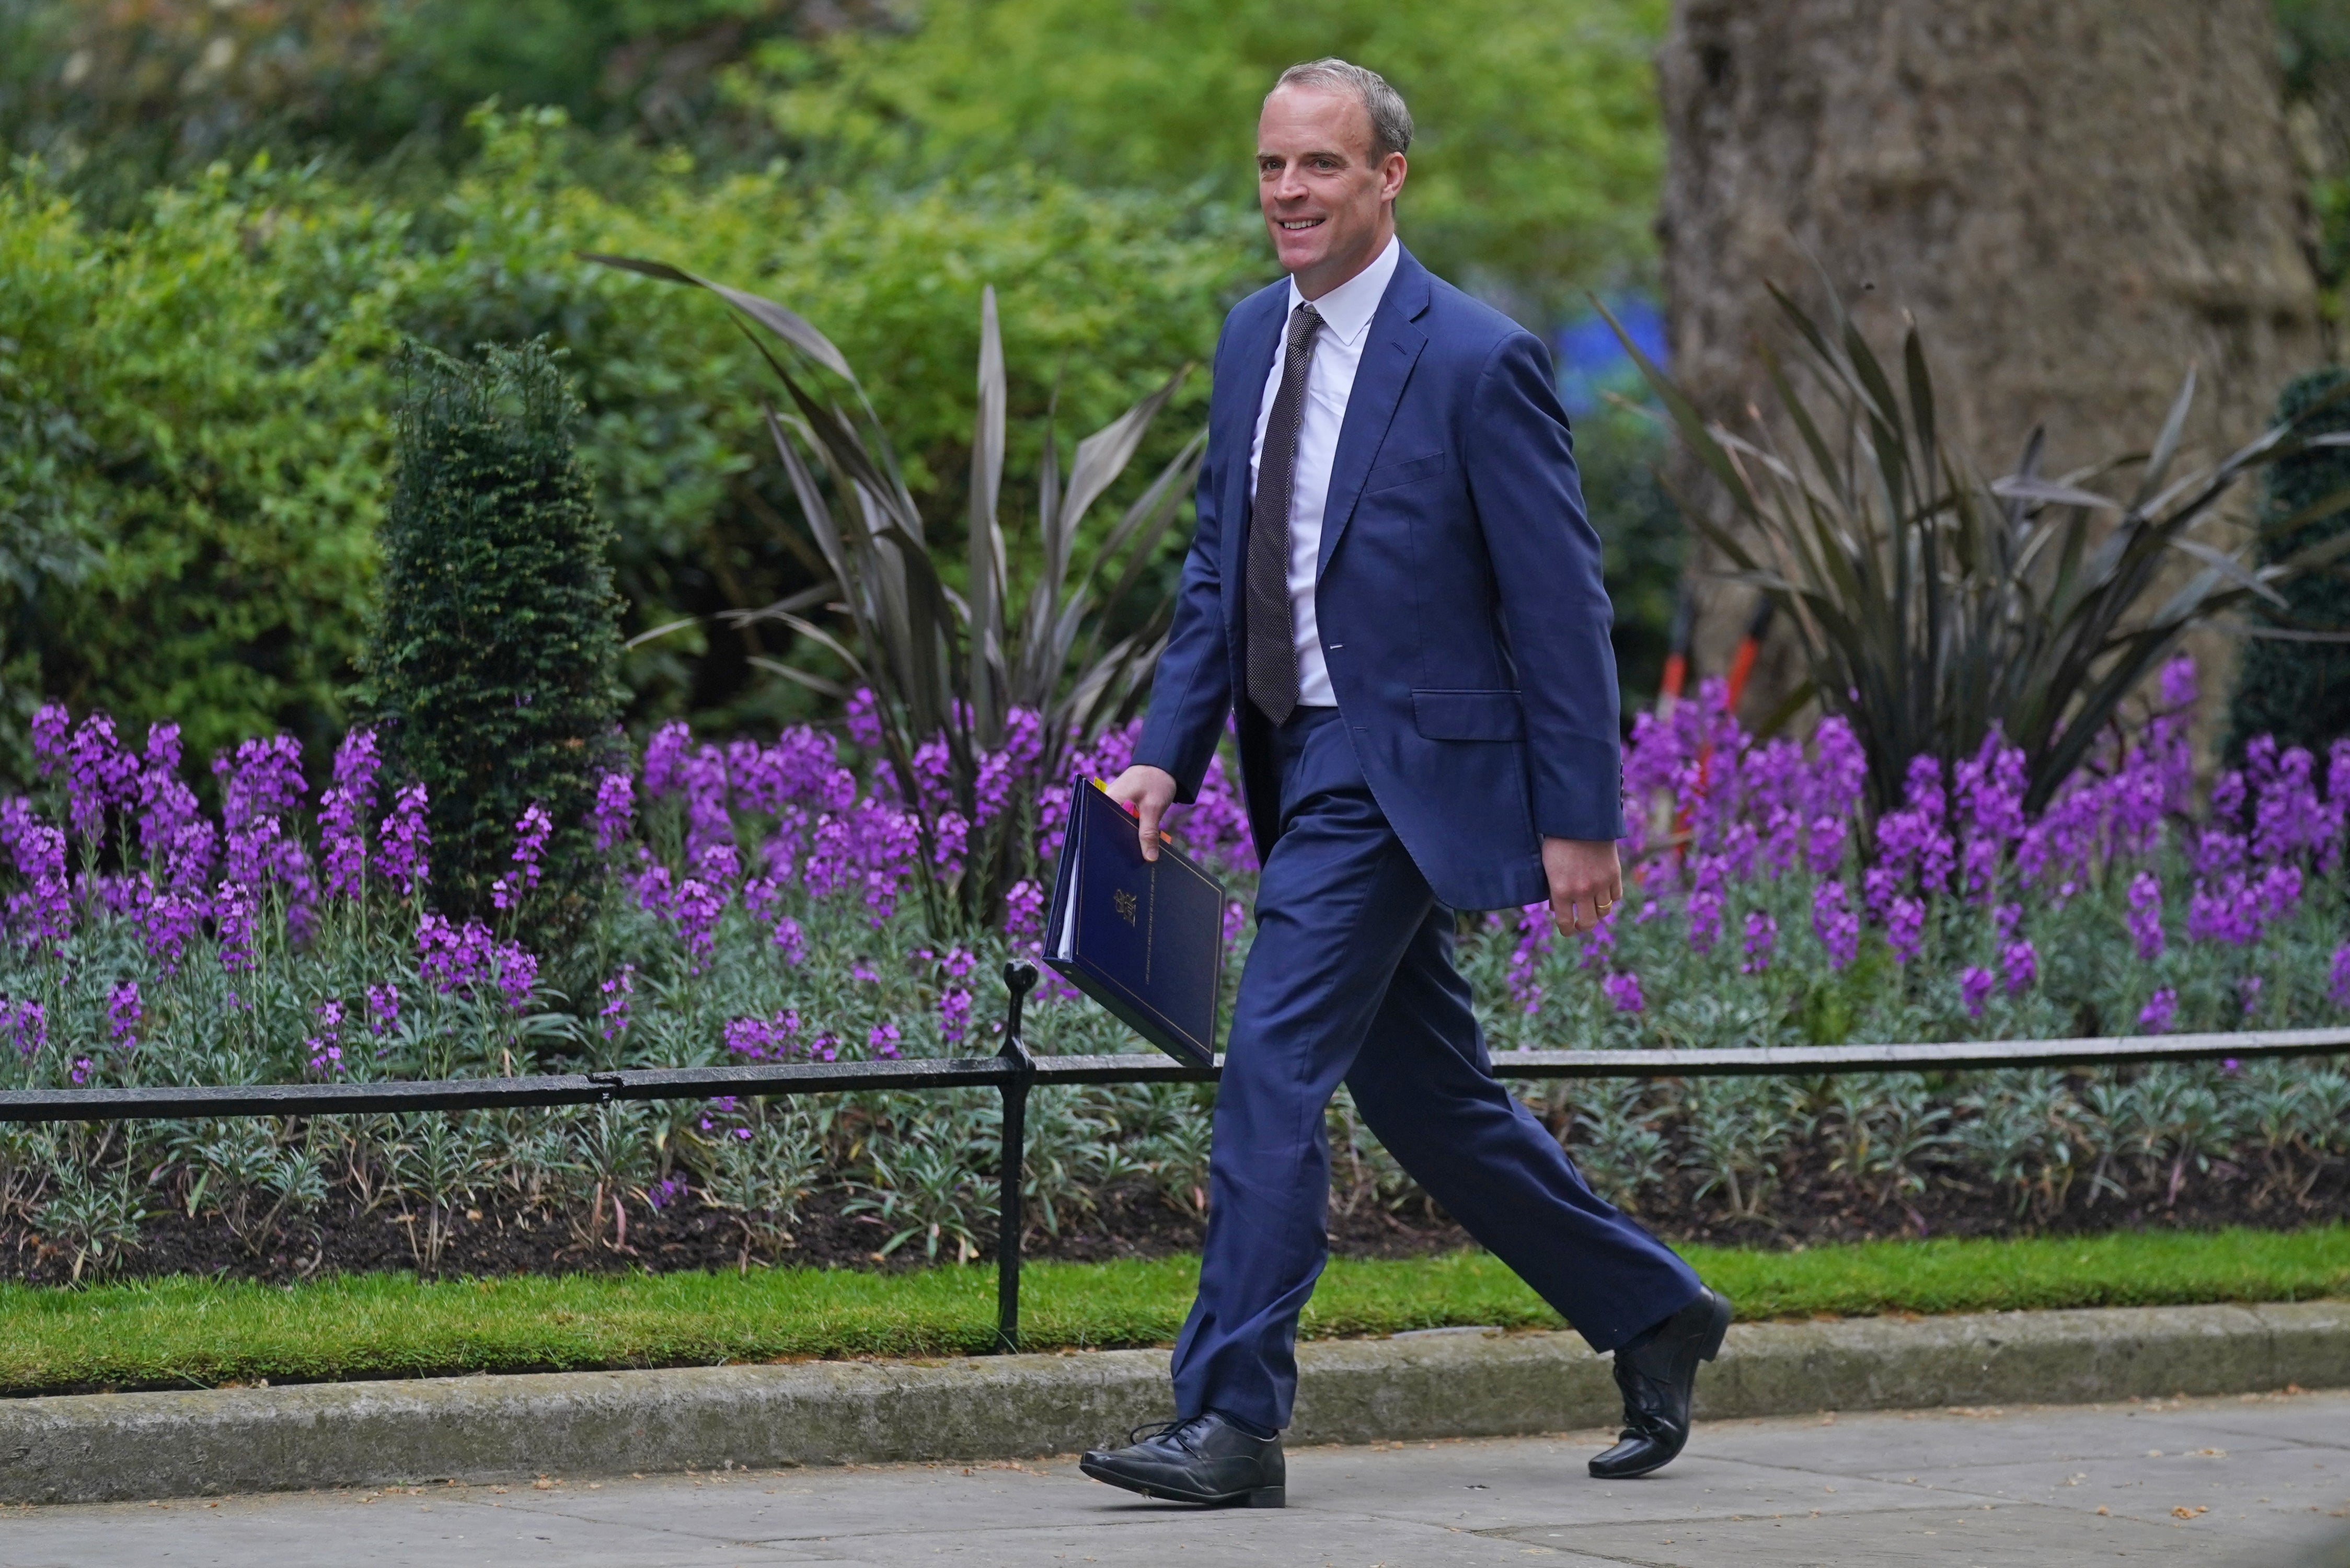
(1150, 791)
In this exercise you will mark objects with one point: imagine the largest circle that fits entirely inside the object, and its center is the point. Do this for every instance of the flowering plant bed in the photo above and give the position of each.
(751, 901)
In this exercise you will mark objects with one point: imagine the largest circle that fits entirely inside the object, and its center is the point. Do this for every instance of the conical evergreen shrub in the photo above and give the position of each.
(491, 671)
(2300, 692)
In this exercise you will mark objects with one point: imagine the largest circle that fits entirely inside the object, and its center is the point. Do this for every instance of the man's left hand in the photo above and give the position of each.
(1585, 880)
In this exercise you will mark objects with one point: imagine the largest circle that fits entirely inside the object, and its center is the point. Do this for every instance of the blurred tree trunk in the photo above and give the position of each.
(2076, 199)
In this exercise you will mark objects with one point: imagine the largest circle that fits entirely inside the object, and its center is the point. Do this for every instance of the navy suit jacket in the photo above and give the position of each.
(1459, 596)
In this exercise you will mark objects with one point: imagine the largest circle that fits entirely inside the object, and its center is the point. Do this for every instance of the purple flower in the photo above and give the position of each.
(1762, 936)
(1534, 926)
(450, 956)
(2340, 989)
(2277, 890)
(619, 993)
(342, 831)
(99, 774)
(2160, 1007)
(955, 1014)
(343, 812)
(790, 942)
(864, 717)
(1624, 991)
(1905, 927)
(2223, 910)
(42, 914)
(2145, 915)
(665, 758)
(233, 920)
(531, 834)
(1705, 899)
(707, 823)
(615, 810)
(696, 907)
(2019, 962)
(28, 1023)
(403, 852)
(260, 779)
(325, 1047)
(882, 1042)
(2179, 683)
(383, 1007)
(1836, 923)
(516, 968)
(1023, 908)
(2249, 990)
(356, 762)
(762, 1038)
(123, 1014)
(51, 726)
(168, 923)
(1974, 989)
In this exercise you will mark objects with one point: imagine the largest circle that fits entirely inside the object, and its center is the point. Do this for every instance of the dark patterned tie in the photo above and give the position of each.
(1272, 635)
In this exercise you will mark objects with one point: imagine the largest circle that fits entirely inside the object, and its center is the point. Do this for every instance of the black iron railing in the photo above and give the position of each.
(1015, 1071)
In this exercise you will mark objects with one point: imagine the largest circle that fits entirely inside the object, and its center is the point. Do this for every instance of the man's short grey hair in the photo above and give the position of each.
(1390, 120)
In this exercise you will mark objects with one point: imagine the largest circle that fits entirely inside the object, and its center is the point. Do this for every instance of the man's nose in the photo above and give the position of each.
(1288, 187)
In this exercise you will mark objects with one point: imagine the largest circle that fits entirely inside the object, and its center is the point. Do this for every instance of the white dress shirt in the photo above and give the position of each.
(1346, 313)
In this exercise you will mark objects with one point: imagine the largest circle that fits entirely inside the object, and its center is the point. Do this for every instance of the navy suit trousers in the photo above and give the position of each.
(1351, 979)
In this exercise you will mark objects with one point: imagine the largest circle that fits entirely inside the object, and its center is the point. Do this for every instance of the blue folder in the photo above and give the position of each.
(1143, 938)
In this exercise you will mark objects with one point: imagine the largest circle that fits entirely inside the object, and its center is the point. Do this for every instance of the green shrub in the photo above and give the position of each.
(204, 411)
(2300, 692)
(492, 669)
(1533, 176)
(208, 387)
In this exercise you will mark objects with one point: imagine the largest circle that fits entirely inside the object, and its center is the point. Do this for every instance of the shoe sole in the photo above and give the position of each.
(1255, 1497)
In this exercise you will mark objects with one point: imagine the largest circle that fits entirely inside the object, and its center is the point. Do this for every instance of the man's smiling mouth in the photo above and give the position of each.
(1295, 224)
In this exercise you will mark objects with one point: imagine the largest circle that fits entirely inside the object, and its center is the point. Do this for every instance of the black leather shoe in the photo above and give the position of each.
(1203, 1460)
(1656, 1379)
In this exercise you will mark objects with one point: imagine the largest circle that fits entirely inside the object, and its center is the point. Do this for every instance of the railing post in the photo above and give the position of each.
(1018, 977)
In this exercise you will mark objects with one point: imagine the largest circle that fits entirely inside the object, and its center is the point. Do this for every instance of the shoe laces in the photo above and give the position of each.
(1644, 1400)
(1174, 1431)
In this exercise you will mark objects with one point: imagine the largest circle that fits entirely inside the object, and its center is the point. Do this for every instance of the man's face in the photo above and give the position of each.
(1328, 203)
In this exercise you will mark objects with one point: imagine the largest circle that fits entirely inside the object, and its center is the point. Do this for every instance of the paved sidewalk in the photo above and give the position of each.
(2258, 1480)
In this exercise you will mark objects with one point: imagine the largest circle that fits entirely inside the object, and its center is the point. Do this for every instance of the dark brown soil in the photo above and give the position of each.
(1807, 1206)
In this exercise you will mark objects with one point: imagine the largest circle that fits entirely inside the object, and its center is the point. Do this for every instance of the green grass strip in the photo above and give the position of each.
(188, 1333)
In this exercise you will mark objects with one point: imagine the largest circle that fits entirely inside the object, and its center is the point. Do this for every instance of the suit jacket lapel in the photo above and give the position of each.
(1388, 356)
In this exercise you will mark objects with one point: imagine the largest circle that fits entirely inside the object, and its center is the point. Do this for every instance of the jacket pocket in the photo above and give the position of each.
(1388, 476)
(1468, 715)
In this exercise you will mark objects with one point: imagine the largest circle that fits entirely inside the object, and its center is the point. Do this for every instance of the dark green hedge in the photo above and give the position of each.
(492, 669)
(2300, 692)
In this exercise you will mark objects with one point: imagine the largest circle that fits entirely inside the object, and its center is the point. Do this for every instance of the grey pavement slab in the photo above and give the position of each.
(2227, 1482)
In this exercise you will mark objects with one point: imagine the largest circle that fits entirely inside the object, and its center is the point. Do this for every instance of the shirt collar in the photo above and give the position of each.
(1347, 310)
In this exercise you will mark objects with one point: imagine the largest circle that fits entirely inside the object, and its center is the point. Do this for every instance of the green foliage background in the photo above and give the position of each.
(219, 222)
(215, 381)
(1534, 174)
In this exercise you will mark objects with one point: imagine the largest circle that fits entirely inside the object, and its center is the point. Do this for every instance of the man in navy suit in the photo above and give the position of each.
(1395, 591)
